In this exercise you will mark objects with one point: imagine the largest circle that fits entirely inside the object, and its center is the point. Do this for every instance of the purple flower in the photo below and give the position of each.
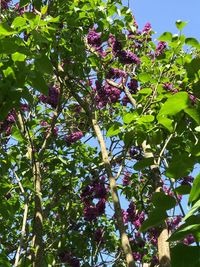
(127, 57)
(24, 107)
(73, 137)
(99, 190)
(187, 180)
(126, 179)
(98, 236)
(192, 98)
(116, 73)
(115, 44)
(131, 211)
(137, 256)
(94, 38)
(101, 205)
(168, 86)
(147, 28)
(90, 213)
(125, 216)
(11, 118)
(133, 86)
(160, 48)
(125, 100)
(53, 97)
(189, 240)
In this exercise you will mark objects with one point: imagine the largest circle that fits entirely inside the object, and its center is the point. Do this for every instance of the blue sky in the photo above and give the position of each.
(163, 14)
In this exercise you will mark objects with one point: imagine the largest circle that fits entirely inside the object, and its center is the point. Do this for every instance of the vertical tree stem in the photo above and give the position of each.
(38, 260)
(113, 189)
(163, 245)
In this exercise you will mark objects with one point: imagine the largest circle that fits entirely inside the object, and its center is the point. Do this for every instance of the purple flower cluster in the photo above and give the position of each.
(115, 44)
(127, 57)
(67, 257)
(94, 38)
(133, 86)
(192, 98)
(24, 107)
(98, 236)
(73, 137)
(106, 94)
(187, 180)
(6, 125)
(168, 86)
(4, 4)
(160, 48)
(189, 240)
(174, 222)
(147, 28)
(135, 153)
(53, 97)
(136, 218)
(126, 179)
(96, 190)
(125, 100)
(115, 73)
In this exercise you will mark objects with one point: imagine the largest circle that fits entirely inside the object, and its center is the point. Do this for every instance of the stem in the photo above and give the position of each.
(125, 244)
(113, 188)
(23, 230)
(38, 219)
(163, 245)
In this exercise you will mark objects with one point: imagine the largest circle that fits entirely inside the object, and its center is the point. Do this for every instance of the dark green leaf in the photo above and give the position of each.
(185, 256)
(141, 164)
(155, 217)
(195, 191)
(163, 201)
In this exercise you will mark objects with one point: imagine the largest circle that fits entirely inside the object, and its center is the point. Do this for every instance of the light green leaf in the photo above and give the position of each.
(146, 118)
(181, 24)
(194, 114)
(193, 210)
(18, 57)
(129, 117)
(166, 122)
(114, 129)
(165, 37)
(175, 104)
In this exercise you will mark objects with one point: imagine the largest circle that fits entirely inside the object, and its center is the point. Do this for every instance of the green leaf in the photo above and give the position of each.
(195, 191)
(18, 57)
(194, 114)
(175, 104)
(163, 201)
(18, 22)
(145, 91)
(141, 164)
(144, 77)
(16, 134)
(183, 189)
(6, 30)
(44, 65)
(24, 3)
(165, 37)
(156, 217)
(44, 10)
(146, 118)
(129, 117)
(192, 41)
(166, 122)
(185, 256)
(183, 231)
(181, 24)
(197, 129)
(185, 165)
(114, 129)
(128, 138)
(194, 208)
